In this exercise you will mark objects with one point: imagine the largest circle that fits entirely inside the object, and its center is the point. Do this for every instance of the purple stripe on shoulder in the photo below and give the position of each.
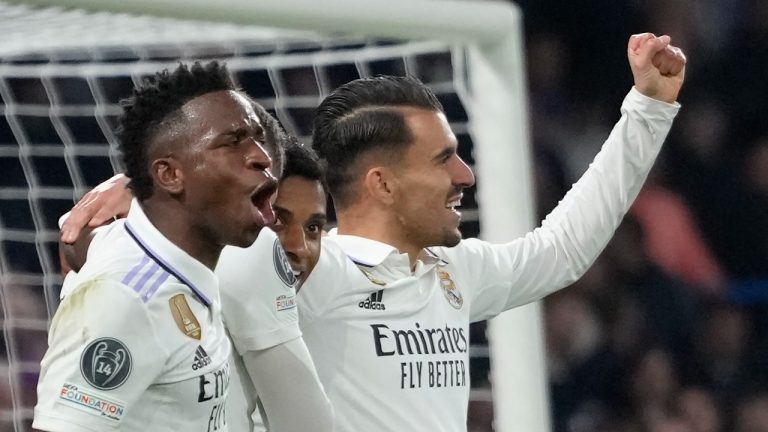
(135, 270)
(153, 288)
(151, 271)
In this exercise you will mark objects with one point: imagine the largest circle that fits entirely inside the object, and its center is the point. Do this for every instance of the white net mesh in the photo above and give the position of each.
(62, 75)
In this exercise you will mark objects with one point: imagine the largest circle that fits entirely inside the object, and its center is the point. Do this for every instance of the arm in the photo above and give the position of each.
(106, 201)
(573, 235)
(289, 388)
(259, 310)
(99, 317)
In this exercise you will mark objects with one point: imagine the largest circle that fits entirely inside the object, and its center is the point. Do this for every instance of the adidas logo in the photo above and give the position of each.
(201, 359)
(373, 302)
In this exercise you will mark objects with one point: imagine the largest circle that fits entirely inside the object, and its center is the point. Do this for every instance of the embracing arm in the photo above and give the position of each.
(574, 234)
(286, 373)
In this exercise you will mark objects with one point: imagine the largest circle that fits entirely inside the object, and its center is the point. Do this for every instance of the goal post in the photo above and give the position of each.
(492, 35)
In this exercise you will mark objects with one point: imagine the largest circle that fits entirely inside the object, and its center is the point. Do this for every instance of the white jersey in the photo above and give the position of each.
(138, 343)
(259, 307)
(391, 344)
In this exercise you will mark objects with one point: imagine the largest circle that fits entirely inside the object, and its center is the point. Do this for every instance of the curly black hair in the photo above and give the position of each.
(302, 161)
(152, 104)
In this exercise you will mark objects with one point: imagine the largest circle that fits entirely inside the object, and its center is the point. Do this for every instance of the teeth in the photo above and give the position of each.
(451, 205)
(296, 273)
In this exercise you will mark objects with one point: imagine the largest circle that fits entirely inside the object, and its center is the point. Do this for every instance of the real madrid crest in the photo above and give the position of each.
(452, 293)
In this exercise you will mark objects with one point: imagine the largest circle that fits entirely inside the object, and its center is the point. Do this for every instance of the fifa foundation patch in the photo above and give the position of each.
(285, 302)
(106, 363)
(90, 402)
(452, 294)
(184, 317)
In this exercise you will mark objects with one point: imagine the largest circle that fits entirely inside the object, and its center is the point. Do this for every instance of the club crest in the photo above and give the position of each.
(106, 363)
(282, 265)
(184, 317)
(452, 293)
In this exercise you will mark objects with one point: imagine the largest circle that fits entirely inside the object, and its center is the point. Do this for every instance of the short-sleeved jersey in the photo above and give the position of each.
(138, 343)
(390, 342)
(258, 298)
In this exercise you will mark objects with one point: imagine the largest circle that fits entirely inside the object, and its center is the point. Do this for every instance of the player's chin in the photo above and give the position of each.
(452, 237)
(246, 236)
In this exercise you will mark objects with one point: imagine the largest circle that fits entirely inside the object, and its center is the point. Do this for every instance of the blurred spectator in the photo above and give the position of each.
(752, 414)
(698, 408)
(581, 369)
(672, 239)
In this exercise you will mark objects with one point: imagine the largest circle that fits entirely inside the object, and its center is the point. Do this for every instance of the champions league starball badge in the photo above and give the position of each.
(452, 293)
(105, 363)
(282, 265)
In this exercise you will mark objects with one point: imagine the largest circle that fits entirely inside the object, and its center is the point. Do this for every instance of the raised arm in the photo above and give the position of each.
(574, 234)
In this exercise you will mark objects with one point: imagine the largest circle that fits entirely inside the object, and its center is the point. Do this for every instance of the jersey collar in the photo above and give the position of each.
(371, 253)
(191, 272)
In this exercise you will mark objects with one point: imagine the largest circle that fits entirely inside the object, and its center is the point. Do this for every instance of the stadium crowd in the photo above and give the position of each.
(667, 332)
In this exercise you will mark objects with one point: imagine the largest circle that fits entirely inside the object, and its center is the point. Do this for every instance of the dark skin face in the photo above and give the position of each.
(216, 167)
(300, 207)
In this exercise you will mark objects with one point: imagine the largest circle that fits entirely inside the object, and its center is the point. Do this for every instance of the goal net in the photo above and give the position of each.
(64, 71)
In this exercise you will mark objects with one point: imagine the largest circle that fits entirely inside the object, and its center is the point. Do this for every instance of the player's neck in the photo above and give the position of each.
(176, 224)
(379, 227)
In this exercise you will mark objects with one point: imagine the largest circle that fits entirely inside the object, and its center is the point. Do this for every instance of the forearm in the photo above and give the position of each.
(289, 389)
(585, 220)
(573, 234)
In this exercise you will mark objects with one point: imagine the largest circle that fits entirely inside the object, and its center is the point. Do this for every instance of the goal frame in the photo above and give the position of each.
(492, 32)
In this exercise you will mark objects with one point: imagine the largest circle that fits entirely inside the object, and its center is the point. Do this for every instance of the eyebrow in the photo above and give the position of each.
(445, 153)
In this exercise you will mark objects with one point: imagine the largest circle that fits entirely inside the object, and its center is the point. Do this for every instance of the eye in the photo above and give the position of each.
(314, 228)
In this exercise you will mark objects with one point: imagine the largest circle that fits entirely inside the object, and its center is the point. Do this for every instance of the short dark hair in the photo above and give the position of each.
(152, 104)
(302, 161)
(361, 116)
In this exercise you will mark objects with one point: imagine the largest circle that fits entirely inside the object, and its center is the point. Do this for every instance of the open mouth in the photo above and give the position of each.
(453, 203)
(262, 205)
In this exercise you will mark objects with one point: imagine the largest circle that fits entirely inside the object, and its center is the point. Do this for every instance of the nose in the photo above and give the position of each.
(257, 157)
(295, 242)
(461, 173)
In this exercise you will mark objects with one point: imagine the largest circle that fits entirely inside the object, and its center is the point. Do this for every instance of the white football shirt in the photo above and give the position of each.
(139, 343)
(259, 307)
(390, 343)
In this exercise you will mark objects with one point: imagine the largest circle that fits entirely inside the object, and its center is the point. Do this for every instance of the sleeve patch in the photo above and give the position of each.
(282, 265)
(106, 363)
(91, 402)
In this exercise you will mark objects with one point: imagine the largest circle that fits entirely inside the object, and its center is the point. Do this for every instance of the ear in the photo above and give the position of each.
(380, 183)
(168, 175)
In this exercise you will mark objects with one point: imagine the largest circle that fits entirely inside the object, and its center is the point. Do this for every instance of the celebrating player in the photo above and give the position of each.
(390, 341)
(386, 310)
(300, 209)
(139, 341)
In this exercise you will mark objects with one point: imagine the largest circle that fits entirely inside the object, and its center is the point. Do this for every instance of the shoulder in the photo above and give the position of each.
(468, 251)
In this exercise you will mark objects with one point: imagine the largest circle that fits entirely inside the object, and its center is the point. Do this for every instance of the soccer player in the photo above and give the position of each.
(300, 209)
(140, 342)
(385, 312)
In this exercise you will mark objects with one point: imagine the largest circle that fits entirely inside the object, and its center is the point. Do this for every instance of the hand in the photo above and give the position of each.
(657, 66)
(106, 201)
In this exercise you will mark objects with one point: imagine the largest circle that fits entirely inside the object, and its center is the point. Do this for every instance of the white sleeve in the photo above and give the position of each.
(258, 297)
(103, 354)
(289, 389)
(571, 237)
